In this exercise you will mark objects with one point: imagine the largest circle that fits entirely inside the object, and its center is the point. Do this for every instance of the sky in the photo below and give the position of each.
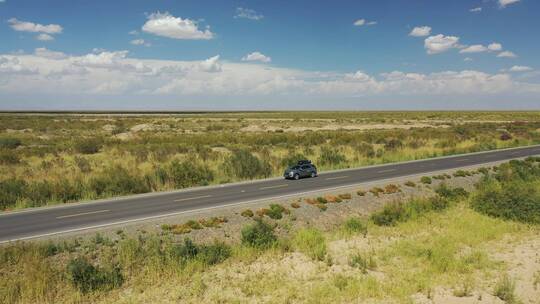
(269, 55)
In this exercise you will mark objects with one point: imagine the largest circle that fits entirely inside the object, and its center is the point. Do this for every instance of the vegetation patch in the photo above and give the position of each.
(391, 188)
(425, 180)
(259, 235)
(376, 191)
(247, 213)
(311, 242)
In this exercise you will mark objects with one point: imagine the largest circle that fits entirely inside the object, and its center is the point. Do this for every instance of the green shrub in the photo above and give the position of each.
(461, 173)
(355, 225)
(117, 180)
(322, 200)
(425, 180)
(88, 146)
(259, 235)
(331, 157)
(505, 290)
(245, 165)
(39, 193)
(311, 242)
(11, 190)
(276, 211)
(361, 192)
(410, 184)
(452, 194)
(396, 212)
(215, 253)
(9, 143)
(186, 251)
(517, 200)
(247, 213)
(87, 278)
(188, 174)
(8, 157)
(363, 263)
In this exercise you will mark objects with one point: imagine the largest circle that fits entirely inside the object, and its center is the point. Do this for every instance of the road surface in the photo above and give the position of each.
(38, 222)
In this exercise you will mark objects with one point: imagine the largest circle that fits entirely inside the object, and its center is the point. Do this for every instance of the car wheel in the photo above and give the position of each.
(296, 176)
(313, 174)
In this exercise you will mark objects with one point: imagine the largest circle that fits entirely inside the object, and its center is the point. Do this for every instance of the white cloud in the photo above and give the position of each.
(476, 48)
(45, 53)
(420, 31)
(58, 76)
(495, 47)
(211, 65)
(25, 26)
(504, 3)
(166, 25)
(256, 56)
(140, 42)
(440, 43)
(133, 32)
(507, 54)
(475, 10)
(247, 14)
(44, 37)
(468, 59)
(361, 22)
(520, 68)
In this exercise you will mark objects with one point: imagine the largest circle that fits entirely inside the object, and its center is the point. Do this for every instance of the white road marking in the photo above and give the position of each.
(460, 160)
(388, 170)
(337, 177)
(273, 187)
(81, 214)
(191, 198)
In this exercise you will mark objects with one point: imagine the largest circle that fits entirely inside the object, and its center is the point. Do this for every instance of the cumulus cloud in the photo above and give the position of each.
(211, 65)
(361, 22)
(504, 3)
(46, 53)
(495, 47)
(166, 25)
(475, 10)
(115, 73)
(420, 31)
(247, 13)
(476, 48)
(140, 42)
(507, 54)
(25, 26)
(467, 59)
(520, 68)
(256, 56)
(44, 37)
(440, 43)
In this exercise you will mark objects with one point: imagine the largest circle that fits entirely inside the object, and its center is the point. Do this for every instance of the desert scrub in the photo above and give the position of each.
(214, 222)
(363, 262)
(391, 188)
(361, 193)
(410, 184)
(275, 211)
(354, 225)
(345, 196)
(462, 173)
(332, 199)
(425, 180)
(247, 213)
(259, 235)
(399, 211)
(505, 290)
(88, 278)
(451, 193)
(295, 205)
(376, 191)
(311, 242)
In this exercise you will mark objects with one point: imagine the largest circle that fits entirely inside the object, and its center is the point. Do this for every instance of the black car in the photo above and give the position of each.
(303, 168)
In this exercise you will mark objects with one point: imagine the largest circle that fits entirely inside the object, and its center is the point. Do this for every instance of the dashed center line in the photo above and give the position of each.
(387, 170)
(81, 214)
(337, 177)
(463, 159)
(273, 187)
(191, 198)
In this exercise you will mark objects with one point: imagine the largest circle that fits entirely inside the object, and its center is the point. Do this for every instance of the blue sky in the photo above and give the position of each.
(269, 54)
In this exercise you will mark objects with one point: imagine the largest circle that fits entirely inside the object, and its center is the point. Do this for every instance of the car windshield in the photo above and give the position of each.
(294, 167)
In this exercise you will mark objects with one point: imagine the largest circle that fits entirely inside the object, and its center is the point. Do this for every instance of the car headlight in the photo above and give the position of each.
(291, 173)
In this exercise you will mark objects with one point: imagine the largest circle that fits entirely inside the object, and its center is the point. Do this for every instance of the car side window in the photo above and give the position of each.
(305, 167)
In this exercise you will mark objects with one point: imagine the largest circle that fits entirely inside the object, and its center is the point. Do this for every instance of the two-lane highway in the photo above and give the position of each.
(82, 216)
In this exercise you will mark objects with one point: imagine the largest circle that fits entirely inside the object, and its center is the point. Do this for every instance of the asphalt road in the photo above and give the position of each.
(81, 216)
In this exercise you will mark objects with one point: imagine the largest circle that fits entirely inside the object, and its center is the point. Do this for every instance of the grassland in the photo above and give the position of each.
(453, 247)
(58, 158)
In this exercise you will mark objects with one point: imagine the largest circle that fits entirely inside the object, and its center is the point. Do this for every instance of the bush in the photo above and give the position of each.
(345, 196)
(245, 165)
(363, 263)
(391, 188)
(355, 225)
(410, 184)
(88, 146)
(188, 174)
(311, 242)
(276, 211)
(39, 193)
(331, 157)
(461, 173)
(515, 200)
(11, 190)
(247, 213)
(9, 143)
(8, 157)
(186, 251)
(361, 192)
(215, 253)
(425, 180)
(87, 278)
(376, 191)
(259, 235)
(393, 144)
(396, 212)
(117, 180)
(456, 193)
(295, 205)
